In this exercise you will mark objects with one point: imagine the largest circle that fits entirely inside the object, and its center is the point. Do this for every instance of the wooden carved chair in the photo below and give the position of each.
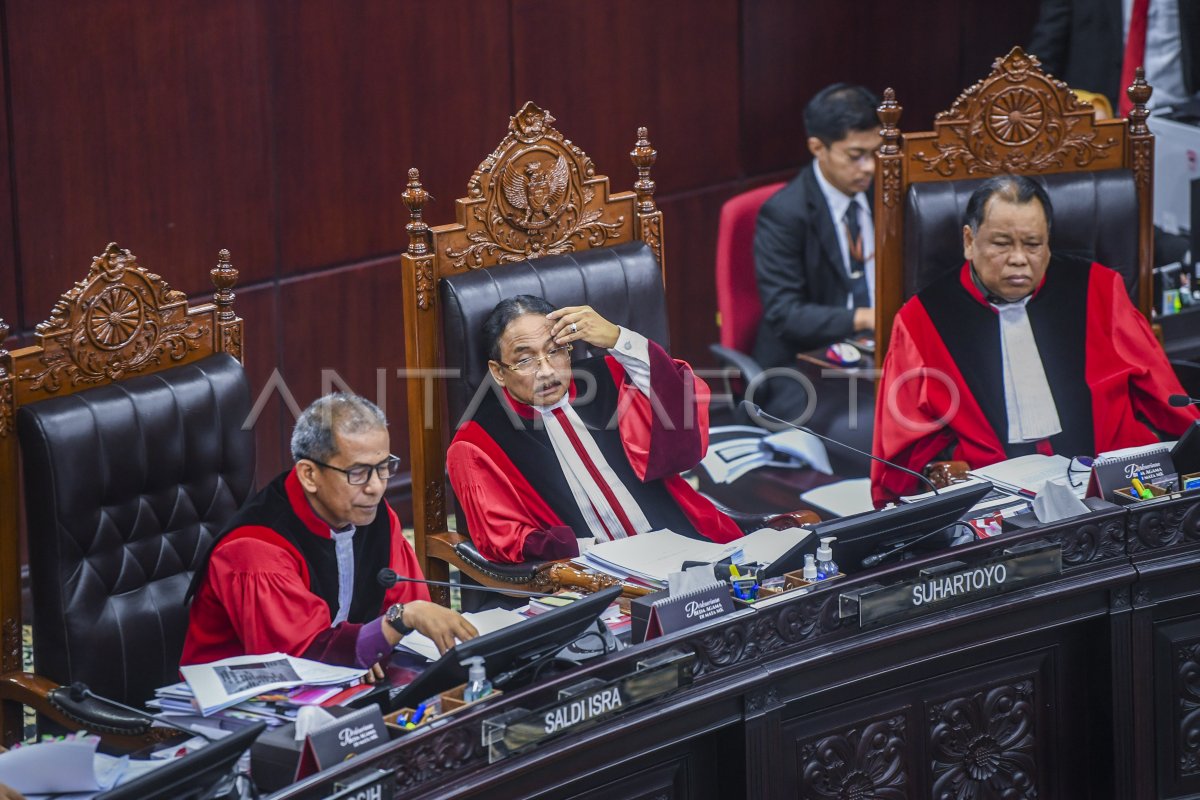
(537, 205)
(1018, 119)
(126, 420)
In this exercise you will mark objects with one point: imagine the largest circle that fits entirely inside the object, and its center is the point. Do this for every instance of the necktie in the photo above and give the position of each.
(1135, 53)
(858, 272)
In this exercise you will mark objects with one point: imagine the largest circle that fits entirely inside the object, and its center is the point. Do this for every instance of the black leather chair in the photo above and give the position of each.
(1019, 120)
(126, 483)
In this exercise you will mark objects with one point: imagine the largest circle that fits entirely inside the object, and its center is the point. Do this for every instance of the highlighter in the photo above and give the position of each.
(1141, 490)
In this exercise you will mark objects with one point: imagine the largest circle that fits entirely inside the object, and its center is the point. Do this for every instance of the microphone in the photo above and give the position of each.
(388, 578)
(79, 691)
(756, 413)
(1181, 400)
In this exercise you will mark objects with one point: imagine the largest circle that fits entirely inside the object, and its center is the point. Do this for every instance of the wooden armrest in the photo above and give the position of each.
(792, 519)
(944, 473)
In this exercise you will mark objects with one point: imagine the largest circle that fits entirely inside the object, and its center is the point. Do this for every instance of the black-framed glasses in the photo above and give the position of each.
(361, 473)
(1080, 465)
(556, 356)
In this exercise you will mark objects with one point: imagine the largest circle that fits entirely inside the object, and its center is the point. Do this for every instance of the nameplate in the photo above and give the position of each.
(949, 587)
(374, 785)
(1111, 474)
(685, 610)
(342, 740)
(584, 705)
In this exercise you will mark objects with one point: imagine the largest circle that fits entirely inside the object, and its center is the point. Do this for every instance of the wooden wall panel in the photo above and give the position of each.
(365, 90)
(12, 310)
(691, 243)
(360, 336)
(142, 123)
(258, 308)
(603, 69)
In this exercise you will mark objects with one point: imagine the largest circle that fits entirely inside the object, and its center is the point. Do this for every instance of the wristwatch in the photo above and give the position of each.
(394, 616)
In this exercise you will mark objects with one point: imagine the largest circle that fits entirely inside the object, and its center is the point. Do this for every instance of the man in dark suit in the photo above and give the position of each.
(1083, 43)
(814, 242)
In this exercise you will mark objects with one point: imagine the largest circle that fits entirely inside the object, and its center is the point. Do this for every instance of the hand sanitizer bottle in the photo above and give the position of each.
(810, 568)
(826, 568)
(478, 685)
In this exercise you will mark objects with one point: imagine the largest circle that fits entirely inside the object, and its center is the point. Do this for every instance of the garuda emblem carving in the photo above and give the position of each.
(539, 192)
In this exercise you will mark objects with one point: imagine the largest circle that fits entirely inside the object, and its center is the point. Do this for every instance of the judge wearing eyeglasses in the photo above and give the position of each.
(565, 450)
(294, 571)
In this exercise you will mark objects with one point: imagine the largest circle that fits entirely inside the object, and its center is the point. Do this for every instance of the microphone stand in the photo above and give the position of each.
(756, 413)
(388, 578)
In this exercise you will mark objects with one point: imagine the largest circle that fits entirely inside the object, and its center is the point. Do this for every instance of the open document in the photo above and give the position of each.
(231, 680)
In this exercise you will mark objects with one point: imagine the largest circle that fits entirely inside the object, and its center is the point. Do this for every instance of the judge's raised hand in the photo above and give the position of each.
(582, 323)
(441, 624)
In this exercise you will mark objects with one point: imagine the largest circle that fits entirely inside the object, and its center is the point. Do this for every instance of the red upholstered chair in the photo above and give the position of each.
(738, 306)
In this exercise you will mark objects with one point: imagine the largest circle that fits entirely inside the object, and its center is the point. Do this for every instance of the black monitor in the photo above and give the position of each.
(508, 648)
(193, 776)
(871, 532)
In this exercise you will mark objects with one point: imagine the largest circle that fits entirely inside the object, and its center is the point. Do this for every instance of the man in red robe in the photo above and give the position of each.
(1018, 352)
(295, 569)
(593, 449)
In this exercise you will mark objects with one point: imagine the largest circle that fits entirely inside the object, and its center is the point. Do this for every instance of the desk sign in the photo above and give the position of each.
(1111, 474)
(585, 704)
(374, 785)
(342, 740)
(681, 611)
(950, 585)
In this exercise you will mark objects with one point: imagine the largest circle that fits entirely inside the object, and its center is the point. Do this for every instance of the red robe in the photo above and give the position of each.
(942, 387)
(256, 596)
(504, 503)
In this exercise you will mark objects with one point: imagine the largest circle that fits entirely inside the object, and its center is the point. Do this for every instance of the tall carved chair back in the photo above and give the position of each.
(1099, 174)
(125, 419)
(537, 198)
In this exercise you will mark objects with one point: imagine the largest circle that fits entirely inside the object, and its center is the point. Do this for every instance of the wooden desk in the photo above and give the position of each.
(1079, 684)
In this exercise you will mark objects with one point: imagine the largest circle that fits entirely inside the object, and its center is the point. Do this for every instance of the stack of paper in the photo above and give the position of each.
(1025, 475)
(231, 680)
(653, 556)
(484, 621)
(841, 499)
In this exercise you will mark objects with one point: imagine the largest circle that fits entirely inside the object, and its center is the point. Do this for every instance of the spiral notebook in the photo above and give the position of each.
(1151, 463)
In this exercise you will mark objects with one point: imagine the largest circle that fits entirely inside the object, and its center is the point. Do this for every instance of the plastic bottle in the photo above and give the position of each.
(810, 568)
(826, 567)
(478, 685)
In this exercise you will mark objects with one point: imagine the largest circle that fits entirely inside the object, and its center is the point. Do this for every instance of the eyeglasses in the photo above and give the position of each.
(556, 356)
(361, 473)
(1081, 465)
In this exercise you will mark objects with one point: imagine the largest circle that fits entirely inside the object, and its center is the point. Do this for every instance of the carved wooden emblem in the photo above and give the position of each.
(537, 196)
(1187, 711)
(1018, 119)
(983, 744)
(866, 761)
(121, 319)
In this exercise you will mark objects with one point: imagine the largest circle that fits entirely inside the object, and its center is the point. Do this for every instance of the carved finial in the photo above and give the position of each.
(415, 198)
(643, 156)
(1139, 93)
(224, 277)
(889, 115)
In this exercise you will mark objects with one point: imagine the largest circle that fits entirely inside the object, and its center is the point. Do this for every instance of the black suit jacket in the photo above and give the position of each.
(1082, 42)
(802, 278)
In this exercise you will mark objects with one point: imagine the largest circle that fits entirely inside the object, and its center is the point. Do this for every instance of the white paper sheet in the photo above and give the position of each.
(484, 621)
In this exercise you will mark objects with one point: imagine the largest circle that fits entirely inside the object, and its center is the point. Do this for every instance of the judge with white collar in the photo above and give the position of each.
(1019, 351)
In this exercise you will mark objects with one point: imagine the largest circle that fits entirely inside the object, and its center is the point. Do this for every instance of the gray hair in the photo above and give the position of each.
(313, 436)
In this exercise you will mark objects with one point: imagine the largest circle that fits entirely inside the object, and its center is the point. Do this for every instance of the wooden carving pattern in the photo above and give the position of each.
(538, 199)
(766, 632)
(652, 234)
(1143, 161)
(231, 339)
(437, 756)
(762, 701)
(1000, 125)
(1187, 693)
(425, 292)
(1164, 526)
(435, 505)
(865, 762)
(6, 405)
(121, 319)
(983, 744)
(1092, 542)
(10, 640)
(889, 152)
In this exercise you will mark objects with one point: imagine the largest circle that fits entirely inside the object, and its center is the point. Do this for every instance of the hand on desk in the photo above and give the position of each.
(864, 319)
(441, 624)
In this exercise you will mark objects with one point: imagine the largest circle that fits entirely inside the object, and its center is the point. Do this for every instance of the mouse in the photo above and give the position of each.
(843, 353)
